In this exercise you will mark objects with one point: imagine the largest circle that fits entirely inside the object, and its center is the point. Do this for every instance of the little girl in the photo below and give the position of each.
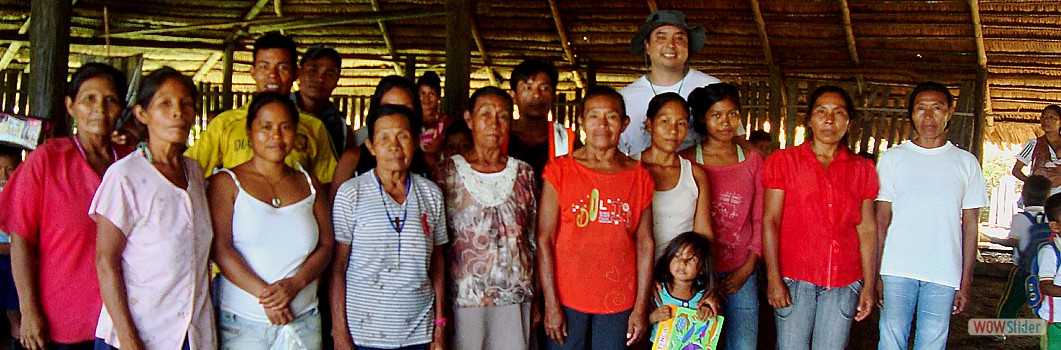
(684, 274)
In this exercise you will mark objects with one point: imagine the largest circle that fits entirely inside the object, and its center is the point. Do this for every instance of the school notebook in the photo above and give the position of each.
(685, 332)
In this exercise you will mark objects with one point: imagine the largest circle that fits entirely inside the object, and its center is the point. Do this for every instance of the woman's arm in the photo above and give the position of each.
(438, 283)
(702, 219)
(25, 270)
(776, 292)
(344, 170)
(110, 243)
(869, 251)
(279, 293)
(646, 250)
(548, 220)
(337, 296)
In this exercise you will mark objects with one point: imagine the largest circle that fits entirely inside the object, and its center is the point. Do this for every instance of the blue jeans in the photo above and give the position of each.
(238, 333)
(819, 317)
(410, 347)
(741, 310)
(600, 332)
(933, 303)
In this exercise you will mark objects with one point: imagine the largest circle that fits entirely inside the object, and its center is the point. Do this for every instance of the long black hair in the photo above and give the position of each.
(700, 247)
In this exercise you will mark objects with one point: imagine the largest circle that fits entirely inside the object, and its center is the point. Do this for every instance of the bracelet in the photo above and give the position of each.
(440, 321)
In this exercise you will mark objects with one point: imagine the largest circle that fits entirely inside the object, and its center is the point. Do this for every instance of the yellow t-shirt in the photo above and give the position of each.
(224, 144)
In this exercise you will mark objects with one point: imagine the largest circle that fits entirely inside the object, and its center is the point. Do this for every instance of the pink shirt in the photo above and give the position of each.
(45, 202)
(736, 210)
(165, 262)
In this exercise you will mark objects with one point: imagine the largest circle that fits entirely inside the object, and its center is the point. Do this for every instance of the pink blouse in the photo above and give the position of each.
(165, 262)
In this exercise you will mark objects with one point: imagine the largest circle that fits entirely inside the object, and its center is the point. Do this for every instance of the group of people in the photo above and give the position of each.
(422, 230)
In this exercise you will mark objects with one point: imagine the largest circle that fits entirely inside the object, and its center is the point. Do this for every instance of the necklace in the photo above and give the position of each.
(652, 85)
(82, 150)
(398, 224)
(275, 201)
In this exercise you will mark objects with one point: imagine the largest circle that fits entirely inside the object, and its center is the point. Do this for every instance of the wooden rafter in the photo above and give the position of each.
(482, 52)
(566, 44)
(764, 39)
(981, 50)
(849, 36)
(387, 39)
(13, 49)
(205, 68)
(652, 6)
(290, 23)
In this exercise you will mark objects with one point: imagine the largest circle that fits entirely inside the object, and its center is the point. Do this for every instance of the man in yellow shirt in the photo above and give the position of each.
(224, 144)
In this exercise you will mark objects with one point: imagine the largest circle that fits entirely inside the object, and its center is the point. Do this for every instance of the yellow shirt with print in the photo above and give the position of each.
(224, 144)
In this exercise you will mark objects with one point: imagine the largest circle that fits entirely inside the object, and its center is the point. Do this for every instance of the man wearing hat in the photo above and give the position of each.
(666, 41)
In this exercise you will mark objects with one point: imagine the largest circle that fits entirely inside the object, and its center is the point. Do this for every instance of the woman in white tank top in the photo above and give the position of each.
(682, 202)
(272, 237)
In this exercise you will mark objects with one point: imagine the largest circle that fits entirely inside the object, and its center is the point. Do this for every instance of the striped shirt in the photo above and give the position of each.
(389, 297)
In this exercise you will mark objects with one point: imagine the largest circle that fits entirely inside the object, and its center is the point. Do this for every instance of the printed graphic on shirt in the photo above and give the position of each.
(724, 212)
(606, 211)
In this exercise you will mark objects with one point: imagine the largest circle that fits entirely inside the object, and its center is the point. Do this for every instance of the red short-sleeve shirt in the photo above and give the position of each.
(818, 240)
(46, 203)
(596, 258)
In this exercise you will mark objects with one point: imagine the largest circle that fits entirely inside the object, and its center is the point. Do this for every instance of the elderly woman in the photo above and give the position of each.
(490, 207)
(154, 231)
(269, 276)
(45, 210)
(391, 90)
(819, 230)
(734, 173)
(595, 236)
(387, 287)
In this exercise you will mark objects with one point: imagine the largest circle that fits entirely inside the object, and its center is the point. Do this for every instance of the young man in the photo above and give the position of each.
(533, 138)
(224, 144)
(318, 74)
(666, 42)
(1050, 277)
(928, 208)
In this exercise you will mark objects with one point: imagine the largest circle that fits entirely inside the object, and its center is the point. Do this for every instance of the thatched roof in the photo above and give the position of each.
(882, 41)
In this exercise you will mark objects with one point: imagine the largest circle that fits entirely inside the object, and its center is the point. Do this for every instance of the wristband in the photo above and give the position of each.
(440, 321)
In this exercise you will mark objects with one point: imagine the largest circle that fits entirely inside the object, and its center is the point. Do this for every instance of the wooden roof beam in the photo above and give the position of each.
(981, 50)
(207, 66)
(12, 50)
(387, 39)
(482, 51)
(566, 44)
(652, 6)
(852, 47)
(764, 39)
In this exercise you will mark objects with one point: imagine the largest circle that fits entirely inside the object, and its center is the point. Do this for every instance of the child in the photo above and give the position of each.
(684, 274)
(1035, 191)
(1050, 276)
(9, 160)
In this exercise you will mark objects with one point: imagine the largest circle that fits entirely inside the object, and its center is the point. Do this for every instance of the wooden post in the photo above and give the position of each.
(777, 101)
(979, 119)
(591, 74)
(458, 55)
(49, 56)
(226, 82)
(410, 67)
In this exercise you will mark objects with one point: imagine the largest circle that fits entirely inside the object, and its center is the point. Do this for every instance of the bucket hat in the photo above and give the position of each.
(697, 34)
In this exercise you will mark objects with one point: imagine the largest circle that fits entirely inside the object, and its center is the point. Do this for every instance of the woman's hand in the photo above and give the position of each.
(736, 279)
(555, 323)
(661, 314)
(131, 342)
(777, 294)
(635, 326)
(708, 307)
(866, 299)
(278, 294)
(279, 315)
(438, 341)
(342, 339)
(34, 332)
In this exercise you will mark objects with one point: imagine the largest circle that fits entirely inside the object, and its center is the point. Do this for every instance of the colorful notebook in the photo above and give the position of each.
(685, 332)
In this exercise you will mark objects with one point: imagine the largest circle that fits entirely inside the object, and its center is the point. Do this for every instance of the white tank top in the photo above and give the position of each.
(673, 210)
(274, 242)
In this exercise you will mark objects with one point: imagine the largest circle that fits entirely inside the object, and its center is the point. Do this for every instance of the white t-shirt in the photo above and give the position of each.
(1018, 228)
(928, 189)
(1048, 271)
(635, 138)
(1025, 156)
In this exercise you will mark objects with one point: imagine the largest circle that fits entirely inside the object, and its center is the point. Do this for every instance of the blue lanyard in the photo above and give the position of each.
(397, 224)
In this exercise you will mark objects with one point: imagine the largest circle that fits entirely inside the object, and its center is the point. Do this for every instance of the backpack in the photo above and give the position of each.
(1038, 233)
(1031, 283)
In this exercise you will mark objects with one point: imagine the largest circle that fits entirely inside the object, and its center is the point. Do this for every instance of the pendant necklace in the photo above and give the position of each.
(82, 150)
(398, 224)
(275, 202)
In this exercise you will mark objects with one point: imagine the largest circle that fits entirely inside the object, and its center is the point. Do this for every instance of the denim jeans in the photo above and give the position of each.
(600, 332)
(238, 333)
(933, 303)
(740, 331)
(819, 317)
